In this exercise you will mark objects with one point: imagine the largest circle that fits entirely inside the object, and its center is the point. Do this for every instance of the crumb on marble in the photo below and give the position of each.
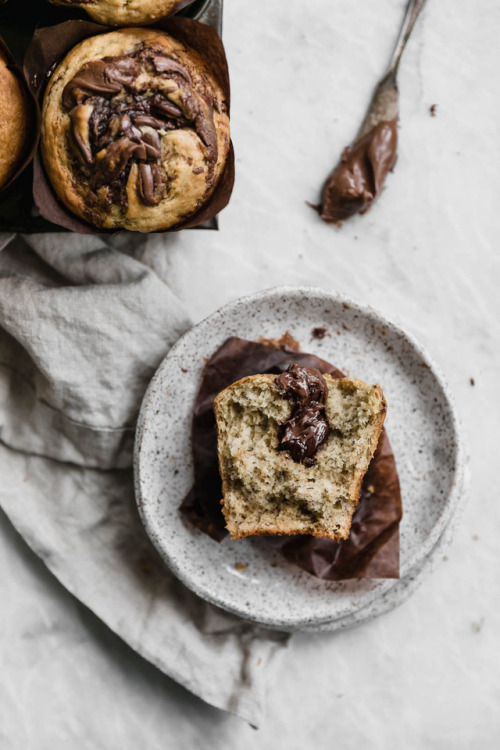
(241, 566)
(472, 382)
(433, 110)
(478, 626)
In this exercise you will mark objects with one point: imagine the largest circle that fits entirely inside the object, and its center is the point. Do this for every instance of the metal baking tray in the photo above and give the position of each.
(18, 21)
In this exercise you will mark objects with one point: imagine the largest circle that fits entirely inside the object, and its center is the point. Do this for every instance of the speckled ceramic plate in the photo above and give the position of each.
(421, 424)
(402, 589)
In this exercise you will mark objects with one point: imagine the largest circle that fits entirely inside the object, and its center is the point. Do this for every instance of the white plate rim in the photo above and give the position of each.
(405, 587)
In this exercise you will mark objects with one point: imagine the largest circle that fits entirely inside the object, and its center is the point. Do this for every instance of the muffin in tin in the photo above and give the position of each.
(15, 123)
(125, 12)
(135, 130)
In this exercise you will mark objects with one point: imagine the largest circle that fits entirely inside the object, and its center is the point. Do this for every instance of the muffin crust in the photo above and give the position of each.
(125, 12)
(14, 121)
(135, 130)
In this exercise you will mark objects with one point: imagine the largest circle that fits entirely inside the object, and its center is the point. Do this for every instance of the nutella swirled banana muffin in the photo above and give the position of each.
(135, 131)
(14, 121)
(293, 450)
(125, 12)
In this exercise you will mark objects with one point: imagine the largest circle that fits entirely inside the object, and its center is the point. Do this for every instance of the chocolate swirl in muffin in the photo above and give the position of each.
(307, 429)
(135, 127)
(120, 106)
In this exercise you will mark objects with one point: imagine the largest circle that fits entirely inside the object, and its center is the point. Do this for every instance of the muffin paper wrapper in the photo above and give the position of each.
(34, 129)
(372, 549)
(51, 44)
(181, 5)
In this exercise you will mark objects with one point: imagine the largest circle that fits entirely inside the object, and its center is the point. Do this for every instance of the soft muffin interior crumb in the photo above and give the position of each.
(265, 491)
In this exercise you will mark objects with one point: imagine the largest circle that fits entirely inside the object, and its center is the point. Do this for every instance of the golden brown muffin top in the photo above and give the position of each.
(14, 120)
(135, 131)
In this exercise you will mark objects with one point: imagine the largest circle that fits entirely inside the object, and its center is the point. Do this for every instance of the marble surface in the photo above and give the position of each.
(425, 675)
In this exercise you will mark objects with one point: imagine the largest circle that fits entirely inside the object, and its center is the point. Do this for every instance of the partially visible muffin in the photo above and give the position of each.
(293, 450)
(14, 121)
(125, 12)
(135, 130)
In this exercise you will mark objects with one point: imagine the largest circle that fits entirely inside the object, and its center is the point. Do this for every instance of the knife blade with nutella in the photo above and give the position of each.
(359, 177)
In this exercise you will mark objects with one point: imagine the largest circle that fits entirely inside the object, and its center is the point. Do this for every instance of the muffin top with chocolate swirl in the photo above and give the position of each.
(125, 12)
(135, 131)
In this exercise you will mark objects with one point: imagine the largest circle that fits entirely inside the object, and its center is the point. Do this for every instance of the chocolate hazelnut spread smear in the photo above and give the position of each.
(307, 429)
(359, 177)
(116, 120)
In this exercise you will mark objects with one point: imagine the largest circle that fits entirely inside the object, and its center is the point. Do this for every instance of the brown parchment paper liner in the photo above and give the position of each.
(372, 549)
(51, 44)
(35, 117)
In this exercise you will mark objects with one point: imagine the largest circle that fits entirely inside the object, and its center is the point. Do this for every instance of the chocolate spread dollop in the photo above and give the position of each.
(307, 429)
(359, 177)
(116, 119)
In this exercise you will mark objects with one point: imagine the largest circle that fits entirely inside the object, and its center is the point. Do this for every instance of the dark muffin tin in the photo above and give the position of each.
(18, 21)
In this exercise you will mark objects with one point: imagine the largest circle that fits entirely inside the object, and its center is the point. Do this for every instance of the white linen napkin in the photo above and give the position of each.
(83, 327)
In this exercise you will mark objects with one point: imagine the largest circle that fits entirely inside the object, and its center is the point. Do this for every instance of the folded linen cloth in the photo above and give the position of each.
(83, 326)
